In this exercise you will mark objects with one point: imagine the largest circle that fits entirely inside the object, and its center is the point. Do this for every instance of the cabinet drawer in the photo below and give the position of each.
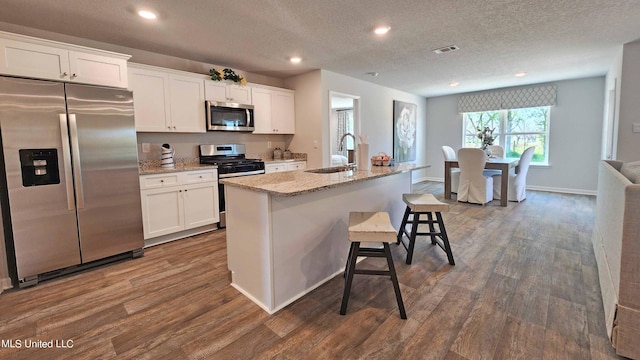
(271, 168)
(193, 177)
(157, 181)
(297, 166)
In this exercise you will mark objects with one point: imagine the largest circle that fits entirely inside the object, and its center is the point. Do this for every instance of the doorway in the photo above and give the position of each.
(343, 119)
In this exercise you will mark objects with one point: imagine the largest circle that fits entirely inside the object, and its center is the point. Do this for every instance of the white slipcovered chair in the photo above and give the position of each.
(474, 186)
(496, 150)
(517, 182)
(450, 154)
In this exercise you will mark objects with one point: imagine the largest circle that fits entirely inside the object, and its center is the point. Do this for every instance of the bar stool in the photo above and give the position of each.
(424, 204)
(370, 227)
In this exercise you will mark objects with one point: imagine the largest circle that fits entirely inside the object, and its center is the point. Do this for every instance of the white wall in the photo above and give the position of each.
(308, 137)
(628, 145)
(574, 141)
(376, 114)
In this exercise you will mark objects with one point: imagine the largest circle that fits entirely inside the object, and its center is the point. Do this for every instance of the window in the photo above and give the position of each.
(514, 129)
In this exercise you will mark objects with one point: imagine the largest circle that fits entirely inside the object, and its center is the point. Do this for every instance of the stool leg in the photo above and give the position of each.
(445, 239)
(407, 211)
(412, 237)
(346, 265)
(394, 280)
(432, 228)
(347, 285)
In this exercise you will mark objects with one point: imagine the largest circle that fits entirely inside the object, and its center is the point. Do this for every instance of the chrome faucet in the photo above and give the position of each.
(351, 154)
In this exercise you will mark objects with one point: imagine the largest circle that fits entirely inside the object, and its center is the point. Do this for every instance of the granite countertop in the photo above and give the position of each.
(147, 167)
(292, 183)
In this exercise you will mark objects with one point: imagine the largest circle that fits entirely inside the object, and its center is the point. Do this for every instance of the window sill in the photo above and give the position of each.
(540, 165)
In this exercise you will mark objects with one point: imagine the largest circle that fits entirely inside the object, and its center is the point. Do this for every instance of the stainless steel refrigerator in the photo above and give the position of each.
(70, 160)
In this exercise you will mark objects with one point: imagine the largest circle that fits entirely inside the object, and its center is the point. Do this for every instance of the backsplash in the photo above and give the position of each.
(186, 145)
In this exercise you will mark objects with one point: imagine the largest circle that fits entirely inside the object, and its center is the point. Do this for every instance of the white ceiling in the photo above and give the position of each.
(548, 39)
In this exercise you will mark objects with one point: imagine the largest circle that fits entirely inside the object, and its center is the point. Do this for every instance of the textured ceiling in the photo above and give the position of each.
(548, 39)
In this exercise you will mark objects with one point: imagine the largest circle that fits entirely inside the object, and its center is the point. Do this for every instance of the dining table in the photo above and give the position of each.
(493, 163)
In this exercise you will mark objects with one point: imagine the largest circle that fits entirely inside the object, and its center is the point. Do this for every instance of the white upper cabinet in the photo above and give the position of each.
(274, 110)
(167, 101)
(219, 91)
(283, 117)
(187, 103)
(43, 59)
(97, 69)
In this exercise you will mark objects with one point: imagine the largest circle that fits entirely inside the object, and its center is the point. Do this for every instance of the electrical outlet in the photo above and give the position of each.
(268, 144)
(146, 147)
(636, 128)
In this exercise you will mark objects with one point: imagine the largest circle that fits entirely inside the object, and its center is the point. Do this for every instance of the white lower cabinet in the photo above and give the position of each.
(284, 166)
(178, 201)
(296, 165)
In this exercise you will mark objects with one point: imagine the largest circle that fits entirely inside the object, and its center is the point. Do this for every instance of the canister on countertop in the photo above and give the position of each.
(277, 154)
(287, 154)
(166, 158)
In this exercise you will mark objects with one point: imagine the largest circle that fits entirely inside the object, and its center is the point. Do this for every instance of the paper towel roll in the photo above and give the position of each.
(363, 157)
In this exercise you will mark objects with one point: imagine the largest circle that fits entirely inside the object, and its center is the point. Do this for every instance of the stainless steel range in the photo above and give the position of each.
(231, 162)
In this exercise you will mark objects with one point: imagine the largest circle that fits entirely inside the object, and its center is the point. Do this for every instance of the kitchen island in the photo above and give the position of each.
(287, 232)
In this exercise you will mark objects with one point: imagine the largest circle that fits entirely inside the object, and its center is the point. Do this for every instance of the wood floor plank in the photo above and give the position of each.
(354, 329)
(438, 332)
(568, 319)
(489, 312)
(520, 340)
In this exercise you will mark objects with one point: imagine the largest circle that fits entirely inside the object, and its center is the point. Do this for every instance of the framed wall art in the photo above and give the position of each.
(404, 131)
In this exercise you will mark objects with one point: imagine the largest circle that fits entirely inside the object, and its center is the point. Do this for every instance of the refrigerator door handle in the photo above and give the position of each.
(77, 170)
(66, 161)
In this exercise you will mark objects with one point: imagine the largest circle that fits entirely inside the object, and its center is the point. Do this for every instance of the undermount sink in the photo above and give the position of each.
(329, 170)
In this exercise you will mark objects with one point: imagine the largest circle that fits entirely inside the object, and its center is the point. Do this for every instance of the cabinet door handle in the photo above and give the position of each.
(179, 190)
(161, 181)
(64, 74)
(74, 75)
(169, 127)
(174, 127)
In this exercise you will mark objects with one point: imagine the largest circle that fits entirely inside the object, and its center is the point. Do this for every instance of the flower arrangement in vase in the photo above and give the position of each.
(219, 74)
(486, 137)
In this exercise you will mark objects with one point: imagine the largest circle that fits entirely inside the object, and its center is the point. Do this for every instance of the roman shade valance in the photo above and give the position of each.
(508, 99)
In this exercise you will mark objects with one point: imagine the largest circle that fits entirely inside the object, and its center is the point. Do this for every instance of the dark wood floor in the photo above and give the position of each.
(524, 286)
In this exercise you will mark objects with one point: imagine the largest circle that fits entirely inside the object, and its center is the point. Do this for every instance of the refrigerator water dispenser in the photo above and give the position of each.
(39, 167)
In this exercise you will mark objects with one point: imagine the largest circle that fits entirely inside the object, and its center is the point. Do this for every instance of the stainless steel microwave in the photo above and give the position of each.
(223, 116)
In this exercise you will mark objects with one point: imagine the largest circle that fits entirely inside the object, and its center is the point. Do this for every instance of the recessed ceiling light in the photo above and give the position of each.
(295, 59)
(521, 74)
(381, 30)
(147, 14)
(453, 84)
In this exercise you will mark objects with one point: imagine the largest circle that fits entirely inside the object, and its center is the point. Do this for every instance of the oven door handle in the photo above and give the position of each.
(246, 173)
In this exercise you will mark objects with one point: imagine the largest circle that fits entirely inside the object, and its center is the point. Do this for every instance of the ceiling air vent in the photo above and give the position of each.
(446, 49)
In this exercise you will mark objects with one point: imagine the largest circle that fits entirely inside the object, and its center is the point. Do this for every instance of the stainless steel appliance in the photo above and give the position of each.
(222, 116)
(70, 161)
(231, 162)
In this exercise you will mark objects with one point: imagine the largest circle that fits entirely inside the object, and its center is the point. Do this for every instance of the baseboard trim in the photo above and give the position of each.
(535, 188)
(563, 190)
(5, 284)
(179, 235)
